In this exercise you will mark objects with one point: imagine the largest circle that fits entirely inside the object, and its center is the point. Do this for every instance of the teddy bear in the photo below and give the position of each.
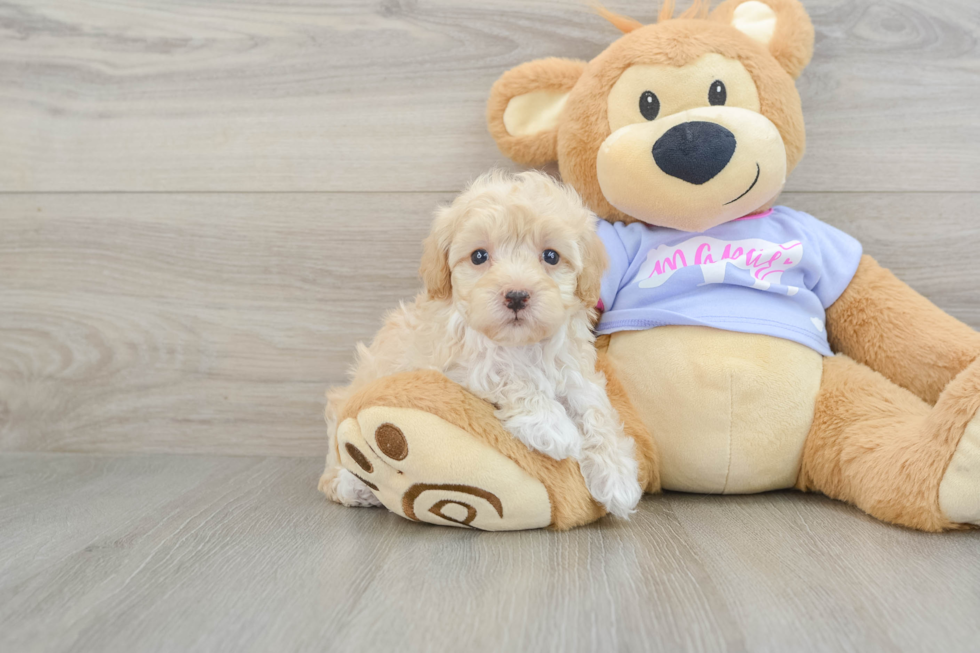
(747, 347)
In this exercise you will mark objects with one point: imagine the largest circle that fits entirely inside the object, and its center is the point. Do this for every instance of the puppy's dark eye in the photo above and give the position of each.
(649, 105)
(550, 257)
(479, 257)
(717, 94)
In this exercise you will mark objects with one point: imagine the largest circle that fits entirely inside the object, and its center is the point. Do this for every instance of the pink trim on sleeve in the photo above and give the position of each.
(755, 216)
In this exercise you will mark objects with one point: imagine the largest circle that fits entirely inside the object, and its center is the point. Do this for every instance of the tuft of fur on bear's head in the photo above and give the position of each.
(686, 123)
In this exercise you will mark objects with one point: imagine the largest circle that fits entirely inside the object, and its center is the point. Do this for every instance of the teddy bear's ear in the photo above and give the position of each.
(782, 26)
(525, 108)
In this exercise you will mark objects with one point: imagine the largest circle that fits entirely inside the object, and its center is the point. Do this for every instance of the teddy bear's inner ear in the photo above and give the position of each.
(756, 20)
(534, 112)
(525, 108)
(781, 26)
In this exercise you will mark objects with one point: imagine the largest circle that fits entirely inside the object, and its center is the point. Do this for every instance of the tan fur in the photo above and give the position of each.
(502, 212)
(880, 447)
(881, 322)
(434, 269)
(594, 263)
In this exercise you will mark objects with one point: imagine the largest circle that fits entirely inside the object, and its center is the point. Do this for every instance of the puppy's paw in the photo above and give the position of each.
(619, 496)
(555, 436)
(344, 488)
(613, 483)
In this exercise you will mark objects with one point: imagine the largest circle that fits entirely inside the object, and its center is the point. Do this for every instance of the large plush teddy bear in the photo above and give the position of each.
(748, 347)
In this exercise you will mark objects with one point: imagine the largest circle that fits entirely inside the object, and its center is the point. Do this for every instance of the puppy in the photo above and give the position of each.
(512, 272)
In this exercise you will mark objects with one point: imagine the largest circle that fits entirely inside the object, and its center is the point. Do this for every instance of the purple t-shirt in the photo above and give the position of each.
(772, 273)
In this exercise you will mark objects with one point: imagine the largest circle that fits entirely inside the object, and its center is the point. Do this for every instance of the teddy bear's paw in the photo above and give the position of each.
(425, 469)
(959, 492)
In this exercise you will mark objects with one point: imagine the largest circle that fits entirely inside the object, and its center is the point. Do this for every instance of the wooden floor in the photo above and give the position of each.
(193, 553)
(204, 205)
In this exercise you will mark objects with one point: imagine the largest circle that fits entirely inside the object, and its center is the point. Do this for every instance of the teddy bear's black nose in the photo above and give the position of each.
(694, 151)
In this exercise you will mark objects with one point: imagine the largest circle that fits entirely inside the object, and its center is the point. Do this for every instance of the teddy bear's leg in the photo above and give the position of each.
(878, 446)
(881, 322)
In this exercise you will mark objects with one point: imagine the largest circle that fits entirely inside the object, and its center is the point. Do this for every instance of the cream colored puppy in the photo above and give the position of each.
(512, 272)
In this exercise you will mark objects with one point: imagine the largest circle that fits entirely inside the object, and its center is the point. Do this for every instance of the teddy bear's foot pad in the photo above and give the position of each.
(425, 469)
(959, 492)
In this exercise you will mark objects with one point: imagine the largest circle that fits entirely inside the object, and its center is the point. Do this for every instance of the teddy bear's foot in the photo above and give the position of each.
(430, 451)
(425, 469)
(959, 492)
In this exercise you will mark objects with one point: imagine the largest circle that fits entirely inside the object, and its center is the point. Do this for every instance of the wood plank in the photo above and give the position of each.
(786, 562)
(189, 553)
(354, 96)
(214, 322)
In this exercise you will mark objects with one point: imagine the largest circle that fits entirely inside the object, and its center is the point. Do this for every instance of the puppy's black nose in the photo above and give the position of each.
(694, 151)
(517, 299)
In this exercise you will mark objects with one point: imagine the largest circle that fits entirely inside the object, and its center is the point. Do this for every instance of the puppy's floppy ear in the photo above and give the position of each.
(525, 108)
(434, 268)
(781, 26)
(594, 263)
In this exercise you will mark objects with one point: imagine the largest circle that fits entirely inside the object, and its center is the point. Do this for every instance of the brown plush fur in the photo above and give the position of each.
(881, 322)
(880, 447)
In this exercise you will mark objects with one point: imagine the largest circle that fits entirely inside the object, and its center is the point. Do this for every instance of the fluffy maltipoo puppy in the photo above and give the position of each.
(512, 273)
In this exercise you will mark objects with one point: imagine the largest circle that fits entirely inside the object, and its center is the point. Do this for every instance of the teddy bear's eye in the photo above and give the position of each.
(479, 257)
(649, 105)
(717, 94)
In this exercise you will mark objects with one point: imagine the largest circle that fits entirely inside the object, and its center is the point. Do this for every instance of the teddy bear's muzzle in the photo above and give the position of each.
(695, 169)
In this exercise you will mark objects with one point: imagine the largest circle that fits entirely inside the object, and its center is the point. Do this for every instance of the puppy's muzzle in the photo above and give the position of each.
(516, 300)
(695, 151)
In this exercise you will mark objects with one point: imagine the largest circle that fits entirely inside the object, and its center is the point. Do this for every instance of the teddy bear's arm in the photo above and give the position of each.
(881, 322)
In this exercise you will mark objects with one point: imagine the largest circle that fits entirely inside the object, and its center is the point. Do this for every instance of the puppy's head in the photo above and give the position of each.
(517, 255)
